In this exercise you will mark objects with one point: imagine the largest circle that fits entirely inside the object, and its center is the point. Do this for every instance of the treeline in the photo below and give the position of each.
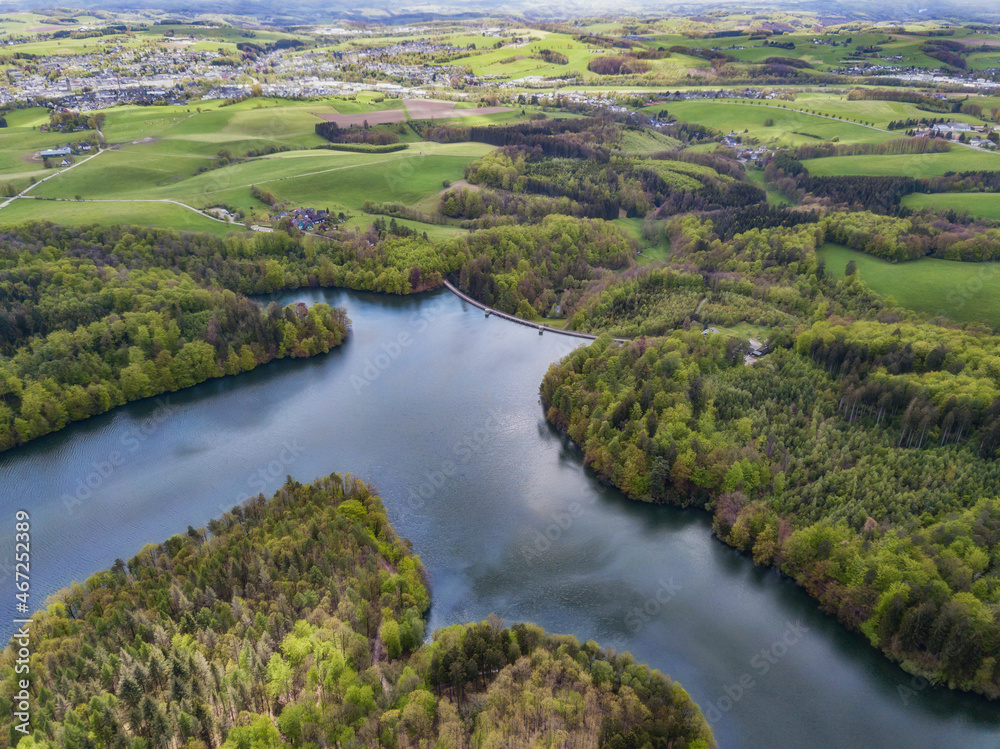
(597, 40)
(728, 222)
(881, 194)
(714, 161)
(792, 62)
(651, 303)
(909, 124)
(595, 189)
(66, 121)
(894, 238)
(493, 204)
(313, 639)
(926, 101)
(336, 134)
(399, 210)
(617, 65)
(743, 197)
(671, 182)
(947, 51)
(552, 57)
(939, 382)
(895, 147)
(582, 138)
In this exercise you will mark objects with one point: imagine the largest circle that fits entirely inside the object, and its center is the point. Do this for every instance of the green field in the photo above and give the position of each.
(878, 113)
(646, 142)
(964, 292)
(517, 61)
(959, 159)
(790, 127)
(339, 181)
(165, 215)
(205, 129)
(977, 204)
(19, 141)
(773, 196)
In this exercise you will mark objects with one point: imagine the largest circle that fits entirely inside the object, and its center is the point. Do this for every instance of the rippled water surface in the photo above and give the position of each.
(437, 406)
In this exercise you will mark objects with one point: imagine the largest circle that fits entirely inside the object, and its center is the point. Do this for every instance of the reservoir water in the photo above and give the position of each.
(437, 406)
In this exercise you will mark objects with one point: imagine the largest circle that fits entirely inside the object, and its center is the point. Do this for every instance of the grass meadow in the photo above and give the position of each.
(964, 292)
(977, 204)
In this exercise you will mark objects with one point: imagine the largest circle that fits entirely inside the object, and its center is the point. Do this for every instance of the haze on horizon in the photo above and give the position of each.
(392, 11)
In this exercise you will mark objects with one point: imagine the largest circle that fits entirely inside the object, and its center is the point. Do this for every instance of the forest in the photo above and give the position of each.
(858, 456)
(87, 325)
(298, 621)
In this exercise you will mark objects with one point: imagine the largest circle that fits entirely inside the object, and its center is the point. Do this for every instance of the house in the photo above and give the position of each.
(757, 349)
(709, 331)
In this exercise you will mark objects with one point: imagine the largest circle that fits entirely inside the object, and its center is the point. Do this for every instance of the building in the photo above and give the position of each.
(54, 153)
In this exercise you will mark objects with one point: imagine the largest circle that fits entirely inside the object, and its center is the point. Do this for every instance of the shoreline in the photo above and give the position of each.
(520, 320)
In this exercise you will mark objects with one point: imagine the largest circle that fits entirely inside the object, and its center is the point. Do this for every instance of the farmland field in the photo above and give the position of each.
(164, 215)
(876, 112)
(959, 159)
(337, 180)
(978, 204)
(790, 127)
(965, 292)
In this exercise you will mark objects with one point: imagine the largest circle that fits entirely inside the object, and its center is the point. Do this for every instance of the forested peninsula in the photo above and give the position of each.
(90, 320)
(299, 621)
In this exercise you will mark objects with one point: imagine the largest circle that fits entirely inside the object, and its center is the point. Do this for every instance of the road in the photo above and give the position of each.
(33, 185)
(851, 122)
(521, 320)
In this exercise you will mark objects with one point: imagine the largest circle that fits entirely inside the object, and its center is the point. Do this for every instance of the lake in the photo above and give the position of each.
(437, 406)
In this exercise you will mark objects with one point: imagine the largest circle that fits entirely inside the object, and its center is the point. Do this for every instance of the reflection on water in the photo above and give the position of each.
(446, 423)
